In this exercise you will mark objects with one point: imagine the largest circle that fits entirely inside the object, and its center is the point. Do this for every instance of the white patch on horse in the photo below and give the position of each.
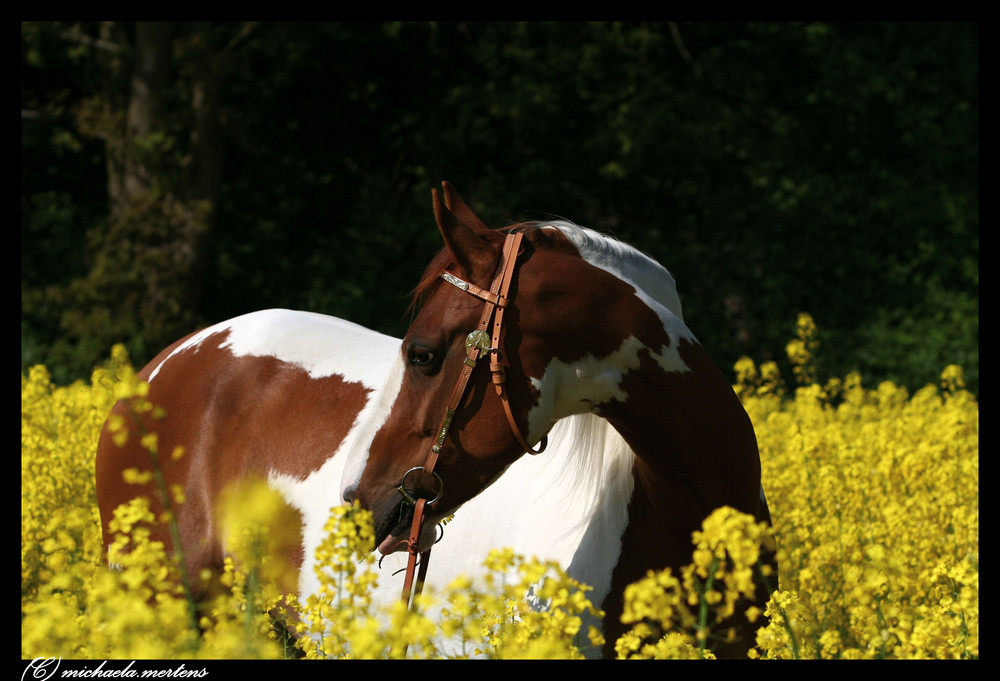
(319, 344)
(567, 388)
(315, 495)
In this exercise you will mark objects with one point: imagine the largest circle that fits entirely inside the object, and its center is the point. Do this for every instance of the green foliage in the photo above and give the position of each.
(772, 167)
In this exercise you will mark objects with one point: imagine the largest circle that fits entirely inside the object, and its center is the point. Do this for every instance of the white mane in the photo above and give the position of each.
(625, 262)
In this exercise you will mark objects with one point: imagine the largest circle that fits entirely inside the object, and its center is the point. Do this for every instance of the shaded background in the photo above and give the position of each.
(177, 174)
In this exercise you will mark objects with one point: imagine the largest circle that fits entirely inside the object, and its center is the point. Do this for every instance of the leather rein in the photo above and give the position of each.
(478, 343)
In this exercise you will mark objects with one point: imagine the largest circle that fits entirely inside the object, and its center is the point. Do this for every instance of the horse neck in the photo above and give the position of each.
(695, 451)
(694, 444)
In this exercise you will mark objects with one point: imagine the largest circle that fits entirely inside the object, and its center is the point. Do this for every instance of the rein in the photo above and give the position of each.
(477, 343)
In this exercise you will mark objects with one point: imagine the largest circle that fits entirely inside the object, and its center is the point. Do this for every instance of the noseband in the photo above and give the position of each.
(477, 343)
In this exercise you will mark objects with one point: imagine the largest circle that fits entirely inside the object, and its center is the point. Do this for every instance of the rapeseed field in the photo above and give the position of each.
(874, 494)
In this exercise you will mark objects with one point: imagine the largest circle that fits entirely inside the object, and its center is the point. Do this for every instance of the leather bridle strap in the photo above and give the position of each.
(496, 299)
(478, 342)
(496, 361)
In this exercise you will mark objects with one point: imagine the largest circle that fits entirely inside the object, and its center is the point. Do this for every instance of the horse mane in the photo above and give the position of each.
(602, 461)
(602, 249)
(624, 260)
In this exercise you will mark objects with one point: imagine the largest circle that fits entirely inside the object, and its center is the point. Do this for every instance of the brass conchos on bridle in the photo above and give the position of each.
(477, 339)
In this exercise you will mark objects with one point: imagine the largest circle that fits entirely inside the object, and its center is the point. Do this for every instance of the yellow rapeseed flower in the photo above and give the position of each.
(874, 494)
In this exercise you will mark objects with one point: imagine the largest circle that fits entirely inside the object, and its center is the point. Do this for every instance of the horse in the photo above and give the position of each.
(589, 351)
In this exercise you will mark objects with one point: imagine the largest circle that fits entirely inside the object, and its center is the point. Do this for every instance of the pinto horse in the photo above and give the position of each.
(587, 349)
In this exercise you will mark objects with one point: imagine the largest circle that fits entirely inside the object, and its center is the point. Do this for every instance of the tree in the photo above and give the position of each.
(154, 103)
(773, 167)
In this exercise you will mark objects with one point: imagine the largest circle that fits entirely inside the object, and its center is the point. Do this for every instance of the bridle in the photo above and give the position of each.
(477, 343)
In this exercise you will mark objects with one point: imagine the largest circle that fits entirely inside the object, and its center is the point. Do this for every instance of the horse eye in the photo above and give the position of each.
(421, 357)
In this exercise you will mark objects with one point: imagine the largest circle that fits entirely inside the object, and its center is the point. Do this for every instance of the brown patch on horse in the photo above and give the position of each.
(233, 418)
(679, 481)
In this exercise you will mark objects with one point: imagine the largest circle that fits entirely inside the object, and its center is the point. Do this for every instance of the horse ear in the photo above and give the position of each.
(456, 205)
(474, 254)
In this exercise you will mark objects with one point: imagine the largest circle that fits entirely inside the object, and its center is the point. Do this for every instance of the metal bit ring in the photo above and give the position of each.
(406, 495)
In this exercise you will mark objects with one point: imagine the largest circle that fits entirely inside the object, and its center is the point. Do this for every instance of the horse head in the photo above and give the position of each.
(562, 336)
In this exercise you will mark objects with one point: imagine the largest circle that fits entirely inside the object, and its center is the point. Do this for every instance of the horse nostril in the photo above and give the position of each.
(351, 494)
